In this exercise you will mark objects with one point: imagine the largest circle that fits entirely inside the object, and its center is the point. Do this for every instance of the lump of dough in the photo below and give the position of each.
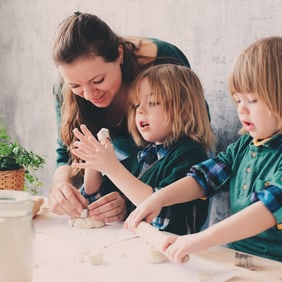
(86, 222)
(90, 258)
(95, 258)
(154, 256)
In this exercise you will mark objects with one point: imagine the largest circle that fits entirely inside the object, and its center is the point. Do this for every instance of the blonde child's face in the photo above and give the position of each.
(150, 116)
(255, 116)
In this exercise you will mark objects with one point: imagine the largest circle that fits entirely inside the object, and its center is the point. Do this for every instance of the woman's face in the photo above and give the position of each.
(93, 79)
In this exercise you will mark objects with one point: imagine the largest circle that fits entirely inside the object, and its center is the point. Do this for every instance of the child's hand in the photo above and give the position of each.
(147, 211)
(176, 248)
(97, 156)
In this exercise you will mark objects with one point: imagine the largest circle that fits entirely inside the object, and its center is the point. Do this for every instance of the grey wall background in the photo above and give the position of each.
(210, 32)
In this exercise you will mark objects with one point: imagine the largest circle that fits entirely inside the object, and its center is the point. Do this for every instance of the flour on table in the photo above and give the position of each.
(87, 222)
(89, 257)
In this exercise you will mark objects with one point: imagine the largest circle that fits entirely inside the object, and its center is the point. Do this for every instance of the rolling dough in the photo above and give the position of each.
(86, 222)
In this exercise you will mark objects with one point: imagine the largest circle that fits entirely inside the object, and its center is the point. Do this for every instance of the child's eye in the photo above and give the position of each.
(135, 106)
(237, 101)
(253, 101)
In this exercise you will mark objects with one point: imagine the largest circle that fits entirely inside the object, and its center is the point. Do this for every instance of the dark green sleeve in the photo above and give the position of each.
(62, 155)
(169, 51)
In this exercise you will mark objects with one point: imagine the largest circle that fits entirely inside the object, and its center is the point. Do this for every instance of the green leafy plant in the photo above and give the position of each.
(13, 156)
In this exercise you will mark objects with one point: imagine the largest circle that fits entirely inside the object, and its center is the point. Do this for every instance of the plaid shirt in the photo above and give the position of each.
(214, 173)
(251, 173)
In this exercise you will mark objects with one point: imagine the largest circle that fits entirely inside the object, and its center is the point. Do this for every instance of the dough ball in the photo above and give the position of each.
(154, 256)
(86, 222)
(95, 258)
(90, 258)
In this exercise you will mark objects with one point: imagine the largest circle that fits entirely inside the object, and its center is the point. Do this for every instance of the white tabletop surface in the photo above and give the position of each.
(60, 250)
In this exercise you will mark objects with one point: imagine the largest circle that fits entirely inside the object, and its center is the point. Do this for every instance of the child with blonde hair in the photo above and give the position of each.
(251, 167)
(167, 116)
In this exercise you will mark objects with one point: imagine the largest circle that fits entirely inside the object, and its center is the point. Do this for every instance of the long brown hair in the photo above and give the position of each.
(85, 35)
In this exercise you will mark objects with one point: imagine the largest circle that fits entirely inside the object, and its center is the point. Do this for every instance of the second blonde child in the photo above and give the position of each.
(169, 119)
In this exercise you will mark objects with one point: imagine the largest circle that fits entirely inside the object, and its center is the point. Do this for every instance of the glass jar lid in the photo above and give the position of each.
(15, 203)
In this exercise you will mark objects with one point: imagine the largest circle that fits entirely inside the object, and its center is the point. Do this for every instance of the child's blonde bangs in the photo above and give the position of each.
(242, 77)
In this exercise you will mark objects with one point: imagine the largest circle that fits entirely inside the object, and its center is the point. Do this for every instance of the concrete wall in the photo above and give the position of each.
(210, 32)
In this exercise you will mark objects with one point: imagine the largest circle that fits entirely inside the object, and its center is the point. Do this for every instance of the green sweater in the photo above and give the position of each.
(251, 173)
(181, 218)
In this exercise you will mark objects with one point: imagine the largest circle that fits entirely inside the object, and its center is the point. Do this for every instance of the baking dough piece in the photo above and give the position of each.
(86, 222)
(155, 257)
(103, 134)
(90, 258)
(152, 255)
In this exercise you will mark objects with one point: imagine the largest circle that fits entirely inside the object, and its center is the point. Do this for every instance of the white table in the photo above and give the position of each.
(59, 249)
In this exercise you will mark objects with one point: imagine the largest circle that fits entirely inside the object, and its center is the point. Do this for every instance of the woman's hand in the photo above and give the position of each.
(64, 198)
(111, 208)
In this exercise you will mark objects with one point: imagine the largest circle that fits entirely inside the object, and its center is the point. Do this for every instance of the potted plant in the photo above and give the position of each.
(18, 165)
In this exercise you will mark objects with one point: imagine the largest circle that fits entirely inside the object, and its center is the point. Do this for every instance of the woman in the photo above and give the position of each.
(97, 68)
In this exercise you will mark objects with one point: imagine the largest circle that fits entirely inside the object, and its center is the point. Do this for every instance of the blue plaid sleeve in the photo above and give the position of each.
(271, 197)
(90, 197)
(211, 174)
(162, 220)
